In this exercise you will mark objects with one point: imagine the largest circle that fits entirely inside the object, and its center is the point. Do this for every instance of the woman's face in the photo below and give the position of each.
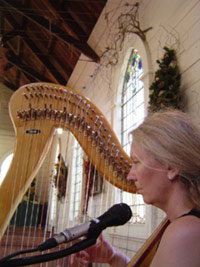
(149, 175)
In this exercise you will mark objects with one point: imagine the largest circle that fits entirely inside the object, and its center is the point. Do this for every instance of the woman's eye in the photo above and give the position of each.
(135, 161)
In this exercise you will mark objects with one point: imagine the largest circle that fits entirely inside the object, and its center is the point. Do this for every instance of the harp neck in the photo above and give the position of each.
(36, 111)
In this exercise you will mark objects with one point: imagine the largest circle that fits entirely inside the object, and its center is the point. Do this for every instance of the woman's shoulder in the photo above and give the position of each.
(180, 243)
(183, 234)
(183, 227)
(188, 222)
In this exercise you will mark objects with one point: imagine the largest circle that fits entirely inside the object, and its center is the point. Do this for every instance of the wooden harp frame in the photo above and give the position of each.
(36, 110)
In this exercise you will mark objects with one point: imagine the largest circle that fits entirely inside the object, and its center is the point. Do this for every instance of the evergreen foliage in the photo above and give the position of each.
(164, 91)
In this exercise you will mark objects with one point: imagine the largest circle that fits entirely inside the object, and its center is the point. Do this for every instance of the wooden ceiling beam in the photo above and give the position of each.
(45, 61)
(54, 30)
(68, 23)
(16, 61)
(32, 46)
(78, 19)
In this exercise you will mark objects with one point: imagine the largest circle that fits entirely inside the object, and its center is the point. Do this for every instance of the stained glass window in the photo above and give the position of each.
(132, 114)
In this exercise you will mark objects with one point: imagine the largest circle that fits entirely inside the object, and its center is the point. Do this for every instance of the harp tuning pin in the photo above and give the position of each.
(19, 114)
(25, 95)
(109, 137)
(27, 89)
(117, 153)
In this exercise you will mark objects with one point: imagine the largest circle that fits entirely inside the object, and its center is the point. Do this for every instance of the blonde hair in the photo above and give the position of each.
(172, 138)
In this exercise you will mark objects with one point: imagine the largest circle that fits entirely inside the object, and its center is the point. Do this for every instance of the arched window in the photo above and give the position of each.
(132, 114)
(77, 175)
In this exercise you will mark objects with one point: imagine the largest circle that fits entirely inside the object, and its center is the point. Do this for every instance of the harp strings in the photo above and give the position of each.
(11, 230)
(47, 106)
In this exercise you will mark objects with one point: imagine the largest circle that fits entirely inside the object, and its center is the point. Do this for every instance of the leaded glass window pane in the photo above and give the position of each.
(132, 114)
(77, 174)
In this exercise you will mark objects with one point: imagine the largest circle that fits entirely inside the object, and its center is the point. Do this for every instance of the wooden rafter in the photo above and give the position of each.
(43, 40)
(32, 46)
(15, 61)
(54, 30)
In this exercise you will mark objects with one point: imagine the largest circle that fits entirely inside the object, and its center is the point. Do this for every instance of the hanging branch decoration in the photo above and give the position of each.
(127, 23)
(164, 91)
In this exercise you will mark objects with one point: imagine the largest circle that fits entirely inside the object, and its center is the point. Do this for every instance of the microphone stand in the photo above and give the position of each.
(50, 256)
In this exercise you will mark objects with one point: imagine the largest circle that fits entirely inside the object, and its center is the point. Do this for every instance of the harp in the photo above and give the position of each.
(36, 111)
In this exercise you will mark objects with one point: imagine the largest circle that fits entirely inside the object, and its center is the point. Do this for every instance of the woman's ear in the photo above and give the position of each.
(172, 173)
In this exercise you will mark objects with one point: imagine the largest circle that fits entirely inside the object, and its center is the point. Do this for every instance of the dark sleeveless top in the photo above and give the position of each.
(193, 212)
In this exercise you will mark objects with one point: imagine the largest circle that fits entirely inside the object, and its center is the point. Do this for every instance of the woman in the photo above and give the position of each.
(166, 170)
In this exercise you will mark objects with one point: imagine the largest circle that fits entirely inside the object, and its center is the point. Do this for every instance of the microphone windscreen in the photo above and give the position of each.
(118, 214)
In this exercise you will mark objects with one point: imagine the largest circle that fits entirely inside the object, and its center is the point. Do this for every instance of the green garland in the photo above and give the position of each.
(164, 91)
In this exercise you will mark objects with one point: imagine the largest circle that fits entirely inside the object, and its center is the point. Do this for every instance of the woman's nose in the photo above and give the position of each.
(131, 176)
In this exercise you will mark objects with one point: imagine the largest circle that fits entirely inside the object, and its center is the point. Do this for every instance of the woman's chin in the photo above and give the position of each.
(146, 199)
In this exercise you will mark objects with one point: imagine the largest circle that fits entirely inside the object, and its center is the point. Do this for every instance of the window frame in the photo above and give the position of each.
(132, 87)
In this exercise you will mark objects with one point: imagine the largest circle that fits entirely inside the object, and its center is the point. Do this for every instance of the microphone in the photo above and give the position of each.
(118, 214)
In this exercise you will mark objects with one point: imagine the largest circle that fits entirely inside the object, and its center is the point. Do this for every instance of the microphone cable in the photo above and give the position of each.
(83, 244)
(18, 253)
